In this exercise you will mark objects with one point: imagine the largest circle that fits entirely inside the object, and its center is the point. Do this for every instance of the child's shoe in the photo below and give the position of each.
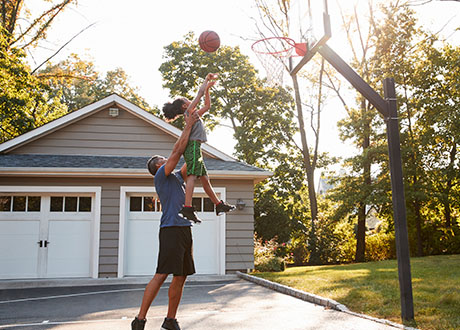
(224, 207)
(188, 212)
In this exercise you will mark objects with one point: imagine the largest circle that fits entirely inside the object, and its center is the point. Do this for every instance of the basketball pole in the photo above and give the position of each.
(399, 203)
(388, 109)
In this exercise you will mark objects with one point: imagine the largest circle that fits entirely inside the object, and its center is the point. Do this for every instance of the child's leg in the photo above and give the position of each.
(189, 188)
(221, 206)
(208, 189)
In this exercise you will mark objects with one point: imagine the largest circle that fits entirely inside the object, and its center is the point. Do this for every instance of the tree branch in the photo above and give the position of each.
(49, 58)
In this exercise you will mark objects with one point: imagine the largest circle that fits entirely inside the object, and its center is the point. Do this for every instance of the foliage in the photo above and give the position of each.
(25, 101)
(261, 117)
(380, 246)
(335, 240)
(23, 30)
(270, 217)
(372, 288)
(265, 256)
(78, 84)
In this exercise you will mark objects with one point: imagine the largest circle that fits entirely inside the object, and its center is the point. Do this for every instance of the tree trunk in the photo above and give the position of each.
(418, 227)
(449, 185)
(361, 234)
(314, 258)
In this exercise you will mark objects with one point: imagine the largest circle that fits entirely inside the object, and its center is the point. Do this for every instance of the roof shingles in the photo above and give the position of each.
(105, 162)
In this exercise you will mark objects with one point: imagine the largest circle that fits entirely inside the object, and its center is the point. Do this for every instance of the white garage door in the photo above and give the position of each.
(143, 212)
(45, 236)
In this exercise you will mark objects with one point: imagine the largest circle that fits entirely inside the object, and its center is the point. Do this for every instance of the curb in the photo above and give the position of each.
(318, 300)
(73, 282)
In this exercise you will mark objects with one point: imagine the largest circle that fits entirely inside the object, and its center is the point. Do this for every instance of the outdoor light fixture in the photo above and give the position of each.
(240, 204)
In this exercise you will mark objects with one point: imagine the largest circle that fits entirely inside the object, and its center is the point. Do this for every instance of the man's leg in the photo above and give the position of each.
(151, 291)
(175, 294)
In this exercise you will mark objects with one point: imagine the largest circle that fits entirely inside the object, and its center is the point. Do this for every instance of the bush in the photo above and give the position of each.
(265, 256)
(380, 246)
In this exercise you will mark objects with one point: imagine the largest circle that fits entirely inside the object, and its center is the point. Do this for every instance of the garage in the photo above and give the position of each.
(139, 227)
(48, 234)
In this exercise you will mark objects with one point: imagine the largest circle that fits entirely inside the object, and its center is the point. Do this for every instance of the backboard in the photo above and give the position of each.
(310, 24)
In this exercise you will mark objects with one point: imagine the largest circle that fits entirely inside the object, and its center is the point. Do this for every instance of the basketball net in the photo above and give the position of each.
(274, 53)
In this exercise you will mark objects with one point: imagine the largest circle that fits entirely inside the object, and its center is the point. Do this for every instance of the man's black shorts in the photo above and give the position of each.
(176, 251)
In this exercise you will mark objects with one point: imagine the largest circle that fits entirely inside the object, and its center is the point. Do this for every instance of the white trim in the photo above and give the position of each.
(125, 190)
(94, 267)
(89, 109)
(120, 172)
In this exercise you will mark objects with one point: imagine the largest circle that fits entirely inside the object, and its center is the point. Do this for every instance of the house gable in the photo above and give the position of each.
(102, 134)
(91, 130)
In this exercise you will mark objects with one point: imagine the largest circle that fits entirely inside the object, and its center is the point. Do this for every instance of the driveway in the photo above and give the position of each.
(235, 304)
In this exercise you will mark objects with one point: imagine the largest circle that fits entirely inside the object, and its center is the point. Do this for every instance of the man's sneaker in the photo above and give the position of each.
(137, 324)
(224, 207)
(188, 212)
(170, 324)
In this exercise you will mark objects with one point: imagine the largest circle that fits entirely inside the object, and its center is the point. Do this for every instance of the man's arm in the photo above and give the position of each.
(181, 144)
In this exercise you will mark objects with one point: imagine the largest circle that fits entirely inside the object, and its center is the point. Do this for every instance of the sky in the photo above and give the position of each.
(132, 34)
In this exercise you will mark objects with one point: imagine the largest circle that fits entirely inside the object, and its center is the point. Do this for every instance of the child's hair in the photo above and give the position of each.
(172, 110)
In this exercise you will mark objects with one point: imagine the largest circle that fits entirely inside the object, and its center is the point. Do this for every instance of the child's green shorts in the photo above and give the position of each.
(194, 159)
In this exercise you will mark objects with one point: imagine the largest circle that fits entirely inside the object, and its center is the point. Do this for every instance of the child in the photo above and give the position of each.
(192, 155)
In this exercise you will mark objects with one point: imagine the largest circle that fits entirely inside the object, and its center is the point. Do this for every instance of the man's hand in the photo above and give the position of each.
(190, 120)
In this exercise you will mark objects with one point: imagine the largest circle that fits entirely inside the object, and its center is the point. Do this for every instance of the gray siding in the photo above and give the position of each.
(100, 134)
(239, 226)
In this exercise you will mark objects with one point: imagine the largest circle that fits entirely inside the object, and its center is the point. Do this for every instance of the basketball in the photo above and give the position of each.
(209, 41)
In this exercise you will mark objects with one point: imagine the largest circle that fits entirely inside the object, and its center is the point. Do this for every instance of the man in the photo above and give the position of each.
(175, 254)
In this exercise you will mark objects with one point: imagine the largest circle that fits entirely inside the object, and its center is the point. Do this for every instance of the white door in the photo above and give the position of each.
(45, 235)
(142, 228)
(19, 234)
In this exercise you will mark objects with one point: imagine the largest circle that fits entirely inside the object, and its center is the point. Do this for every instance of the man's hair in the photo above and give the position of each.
(151, 164)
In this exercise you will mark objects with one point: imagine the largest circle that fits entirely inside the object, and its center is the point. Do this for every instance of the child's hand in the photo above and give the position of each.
(210, 84)
(212, 76)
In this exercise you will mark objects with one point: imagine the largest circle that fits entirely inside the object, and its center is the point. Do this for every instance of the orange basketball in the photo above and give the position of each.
(209, 41)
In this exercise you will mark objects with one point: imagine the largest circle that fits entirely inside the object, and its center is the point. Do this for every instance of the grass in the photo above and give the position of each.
(373, 288)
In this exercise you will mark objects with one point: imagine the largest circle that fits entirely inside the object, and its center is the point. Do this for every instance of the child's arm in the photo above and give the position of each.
(200, 93)
(207, 99)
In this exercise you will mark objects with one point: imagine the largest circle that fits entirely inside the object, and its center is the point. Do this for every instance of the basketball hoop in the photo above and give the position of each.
(273, 53)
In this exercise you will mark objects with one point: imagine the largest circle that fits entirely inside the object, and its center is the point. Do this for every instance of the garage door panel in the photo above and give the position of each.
(69, 249)
(142, 248)
(19, 249)
(205, 246)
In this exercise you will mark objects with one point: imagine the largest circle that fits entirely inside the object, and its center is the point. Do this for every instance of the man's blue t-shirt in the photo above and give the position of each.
(171, 191)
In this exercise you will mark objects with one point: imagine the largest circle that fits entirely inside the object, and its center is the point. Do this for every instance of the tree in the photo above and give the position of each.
(275, 21)
(25, 102)
(260, 116)
(24, 31)
(438, 124)
(77, 83)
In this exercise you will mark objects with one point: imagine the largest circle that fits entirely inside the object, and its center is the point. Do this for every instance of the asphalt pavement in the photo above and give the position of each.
(222, 305)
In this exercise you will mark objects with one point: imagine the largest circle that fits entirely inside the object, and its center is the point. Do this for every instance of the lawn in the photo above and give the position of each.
(372, 288)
